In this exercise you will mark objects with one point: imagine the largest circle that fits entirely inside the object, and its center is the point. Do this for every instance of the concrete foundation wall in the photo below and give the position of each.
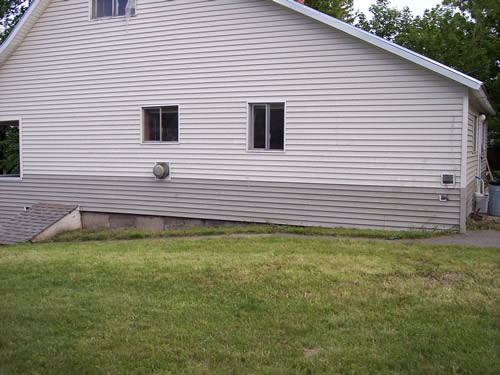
(97, 220)
(69, 223)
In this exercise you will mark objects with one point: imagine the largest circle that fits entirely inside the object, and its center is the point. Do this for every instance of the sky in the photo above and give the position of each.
(417, 6)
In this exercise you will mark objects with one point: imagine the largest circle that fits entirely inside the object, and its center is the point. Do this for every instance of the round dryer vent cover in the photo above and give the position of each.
(161, 171)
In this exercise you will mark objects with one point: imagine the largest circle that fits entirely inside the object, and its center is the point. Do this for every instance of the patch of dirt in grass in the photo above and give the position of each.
(311, 352)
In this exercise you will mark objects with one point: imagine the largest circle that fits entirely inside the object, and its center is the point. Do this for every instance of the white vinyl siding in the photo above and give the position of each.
(472, 154)
(261, 202)
(355, 114)
(359, 121)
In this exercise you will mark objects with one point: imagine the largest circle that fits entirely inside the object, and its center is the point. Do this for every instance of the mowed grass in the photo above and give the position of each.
(133, 233)
(260, 305)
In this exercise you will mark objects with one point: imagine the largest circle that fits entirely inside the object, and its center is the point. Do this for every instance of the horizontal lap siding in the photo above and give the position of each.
(472, 159)
(356, 115)
(297, 204)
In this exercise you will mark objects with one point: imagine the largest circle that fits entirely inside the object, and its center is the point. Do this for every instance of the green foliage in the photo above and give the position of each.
(341, 9)
(484, 43)
(9, 150)
(463, 34)
(387, 22)
(11, 12)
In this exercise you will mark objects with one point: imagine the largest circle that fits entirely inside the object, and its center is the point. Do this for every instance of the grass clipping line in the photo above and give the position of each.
(134, 234)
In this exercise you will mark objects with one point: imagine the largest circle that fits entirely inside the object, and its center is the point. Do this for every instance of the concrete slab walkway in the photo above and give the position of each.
(479, 238)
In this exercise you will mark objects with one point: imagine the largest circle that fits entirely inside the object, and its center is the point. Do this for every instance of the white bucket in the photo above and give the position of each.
(481, 203)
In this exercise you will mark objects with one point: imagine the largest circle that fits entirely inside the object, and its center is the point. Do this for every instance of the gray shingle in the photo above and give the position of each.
(28, 224)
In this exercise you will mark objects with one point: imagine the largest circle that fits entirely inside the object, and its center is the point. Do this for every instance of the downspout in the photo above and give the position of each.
(480, 140)
(463, 169)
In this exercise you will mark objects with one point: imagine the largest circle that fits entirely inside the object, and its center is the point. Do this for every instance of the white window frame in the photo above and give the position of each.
(249, 135)
(21, 167)
(91, 12)
(144, 142)
(475, 135)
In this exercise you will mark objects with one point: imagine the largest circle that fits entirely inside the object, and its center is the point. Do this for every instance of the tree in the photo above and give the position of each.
(387, 22)
(484, 43)
(11, 12)
(341, 9)
(463, 34)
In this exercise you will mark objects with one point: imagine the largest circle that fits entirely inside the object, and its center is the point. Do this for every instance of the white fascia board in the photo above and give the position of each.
(405, 53)
(21, 29)
(481, 97)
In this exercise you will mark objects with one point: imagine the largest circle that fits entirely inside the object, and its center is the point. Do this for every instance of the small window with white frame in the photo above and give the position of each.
(475, 134)
(112, 8)
(266, 127)
(10, 160)
(160, 124)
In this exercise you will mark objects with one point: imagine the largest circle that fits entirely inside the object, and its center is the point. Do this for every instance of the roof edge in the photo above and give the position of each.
(481, 96)
(377, 41)
(18, 33)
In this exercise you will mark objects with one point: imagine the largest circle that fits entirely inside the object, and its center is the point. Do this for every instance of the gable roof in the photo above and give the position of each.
(476, 87)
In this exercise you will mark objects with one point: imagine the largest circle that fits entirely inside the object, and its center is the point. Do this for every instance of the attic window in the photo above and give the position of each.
(9, 149)
(112, 8)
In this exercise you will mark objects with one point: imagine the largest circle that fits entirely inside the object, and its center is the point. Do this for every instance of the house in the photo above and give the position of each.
(247, 110)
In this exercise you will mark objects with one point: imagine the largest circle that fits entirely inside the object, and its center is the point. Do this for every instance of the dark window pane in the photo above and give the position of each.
(9, 149)
(120, 6)
(170, 124)
(103, 8)
(277, 127)
(259, 126)
(152, 124)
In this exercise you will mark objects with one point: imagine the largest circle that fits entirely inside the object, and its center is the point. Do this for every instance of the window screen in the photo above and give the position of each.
(169, 124)
(112, 8)
(277, 127)
(259, 126)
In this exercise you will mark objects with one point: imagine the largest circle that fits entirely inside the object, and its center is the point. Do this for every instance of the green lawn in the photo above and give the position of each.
(132, 233)
(260, 305)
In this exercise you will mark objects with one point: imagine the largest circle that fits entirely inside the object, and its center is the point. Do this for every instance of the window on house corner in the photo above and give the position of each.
(9, 149)
(267, 127)
(112, 8)
(161, 124)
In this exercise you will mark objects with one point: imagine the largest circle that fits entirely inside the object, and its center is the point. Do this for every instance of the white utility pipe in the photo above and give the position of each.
(479, 145)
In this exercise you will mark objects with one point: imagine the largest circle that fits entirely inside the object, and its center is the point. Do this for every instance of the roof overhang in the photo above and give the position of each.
(473, 84)
(481, 98)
